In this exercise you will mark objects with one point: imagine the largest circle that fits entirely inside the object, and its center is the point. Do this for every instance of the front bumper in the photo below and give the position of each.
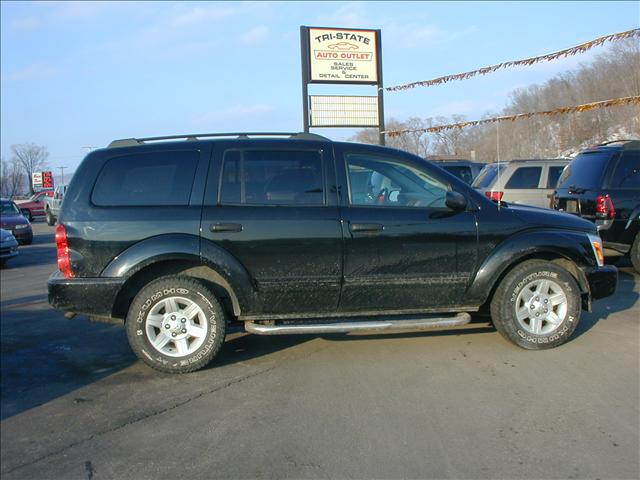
(602, 281)
(8, 250)
(89, 296)
(23, 235)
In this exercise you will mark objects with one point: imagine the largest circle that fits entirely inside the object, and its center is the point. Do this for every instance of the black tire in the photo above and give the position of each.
(51, 220)
(27, 214)
(150, 298)
(635, 253)
(508, 298)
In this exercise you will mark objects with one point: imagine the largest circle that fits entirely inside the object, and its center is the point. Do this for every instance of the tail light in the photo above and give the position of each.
(604, 207)
(495, 196)
(62, 246)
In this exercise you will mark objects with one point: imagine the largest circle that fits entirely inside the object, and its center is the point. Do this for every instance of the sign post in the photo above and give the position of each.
(342, 56)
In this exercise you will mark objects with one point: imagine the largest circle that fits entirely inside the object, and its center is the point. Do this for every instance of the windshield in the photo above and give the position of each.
(8, 208)
(486, 176)
(586, 171)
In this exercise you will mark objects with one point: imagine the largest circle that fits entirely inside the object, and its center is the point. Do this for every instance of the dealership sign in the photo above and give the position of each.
(42, 181)
(343, 55)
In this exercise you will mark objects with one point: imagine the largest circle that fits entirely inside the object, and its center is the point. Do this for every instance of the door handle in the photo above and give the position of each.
(366, 227)
(225, 227)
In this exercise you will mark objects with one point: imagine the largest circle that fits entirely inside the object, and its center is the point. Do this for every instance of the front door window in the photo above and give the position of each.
(381, 181)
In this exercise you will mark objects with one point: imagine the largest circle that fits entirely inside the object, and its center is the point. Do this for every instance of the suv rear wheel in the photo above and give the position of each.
(176, 324)
(537, 305)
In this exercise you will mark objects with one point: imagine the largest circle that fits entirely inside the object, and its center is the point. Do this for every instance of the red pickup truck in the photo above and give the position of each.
(34, 207)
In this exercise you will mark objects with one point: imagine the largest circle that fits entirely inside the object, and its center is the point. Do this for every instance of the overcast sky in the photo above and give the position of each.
(78, 75)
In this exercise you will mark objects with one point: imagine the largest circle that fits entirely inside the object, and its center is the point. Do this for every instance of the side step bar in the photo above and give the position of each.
(397, 323)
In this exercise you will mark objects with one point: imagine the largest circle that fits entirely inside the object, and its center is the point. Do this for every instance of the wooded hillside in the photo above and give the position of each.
(613, 74)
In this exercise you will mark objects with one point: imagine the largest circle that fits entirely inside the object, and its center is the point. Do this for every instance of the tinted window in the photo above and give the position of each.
(627, 173)
(486, 176)
(384, 181)
(554, 175)
(146, 179)
(585, 171)
(525, 177)
(272, 177)
(463, 173)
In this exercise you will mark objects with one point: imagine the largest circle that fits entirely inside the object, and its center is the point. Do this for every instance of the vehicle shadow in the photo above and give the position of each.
(32, 255)
(44, 356)
(246, 346)
(43, 238)
(624, 298)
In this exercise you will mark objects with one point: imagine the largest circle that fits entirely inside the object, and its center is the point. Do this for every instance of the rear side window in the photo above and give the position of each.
(585, 171)
(146, 179)
(627, 172)
(272, 177)
(486, 176)
(554, 175)
(525, 177)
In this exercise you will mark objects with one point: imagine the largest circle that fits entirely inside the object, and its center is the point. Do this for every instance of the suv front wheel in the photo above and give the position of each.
(537, 305)
(176, 325)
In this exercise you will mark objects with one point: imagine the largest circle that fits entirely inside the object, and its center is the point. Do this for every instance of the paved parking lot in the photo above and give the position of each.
(461, 403)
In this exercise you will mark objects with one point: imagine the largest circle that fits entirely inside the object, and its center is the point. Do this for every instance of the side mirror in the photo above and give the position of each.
(456, 201)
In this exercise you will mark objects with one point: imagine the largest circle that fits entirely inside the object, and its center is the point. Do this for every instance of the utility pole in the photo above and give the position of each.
(62, 174)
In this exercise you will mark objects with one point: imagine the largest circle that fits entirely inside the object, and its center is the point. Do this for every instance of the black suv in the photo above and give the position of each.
(602, 184)
(187, 236)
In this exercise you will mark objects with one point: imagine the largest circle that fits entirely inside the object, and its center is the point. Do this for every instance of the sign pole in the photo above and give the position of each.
(304, 54)
(381, 127)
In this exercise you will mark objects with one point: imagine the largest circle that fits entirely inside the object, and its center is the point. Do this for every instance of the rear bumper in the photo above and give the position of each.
(90, 296)
(602, 281)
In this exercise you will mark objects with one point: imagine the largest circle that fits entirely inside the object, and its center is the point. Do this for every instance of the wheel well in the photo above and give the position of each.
(220, 287)
(567, 264)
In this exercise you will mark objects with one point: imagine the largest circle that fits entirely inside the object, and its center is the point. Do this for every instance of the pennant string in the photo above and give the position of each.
(511, 118)
(525, 62)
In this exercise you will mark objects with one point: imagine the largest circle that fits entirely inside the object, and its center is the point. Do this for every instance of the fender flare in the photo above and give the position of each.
(570, 245)
(226, 269)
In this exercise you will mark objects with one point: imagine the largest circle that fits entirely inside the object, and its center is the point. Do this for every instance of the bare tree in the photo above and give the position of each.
(613, 74)
(31, 158)
(11, 178)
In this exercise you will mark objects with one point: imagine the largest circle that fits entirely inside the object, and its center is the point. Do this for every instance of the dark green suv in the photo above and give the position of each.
(183, 237)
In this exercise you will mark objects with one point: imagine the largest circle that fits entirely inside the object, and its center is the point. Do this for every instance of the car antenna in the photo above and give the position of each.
(498, 155)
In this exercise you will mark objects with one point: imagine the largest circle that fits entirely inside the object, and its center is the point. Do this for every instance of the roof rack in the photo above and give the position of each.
(130, 142)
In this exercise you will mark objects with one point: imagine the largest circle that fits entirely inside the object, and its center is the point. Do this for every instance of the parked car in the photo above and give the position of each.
(304, 235)
(12, 219)
(463, 169)
(8, 246)
(52, 204)
(527, 182)
(602, 184)
(34, 206)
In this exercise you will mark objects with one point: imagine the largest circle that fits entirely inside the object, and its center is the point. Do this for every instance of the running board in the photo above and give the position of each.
(397, 323)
